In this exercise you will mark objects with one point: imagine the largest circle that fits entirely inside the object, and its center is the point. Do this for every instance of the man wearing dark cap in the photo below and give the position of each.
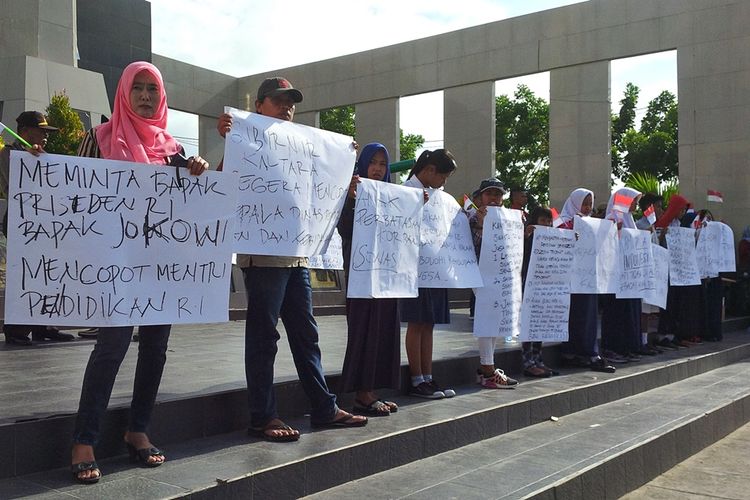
(34, 129)
(280, 287)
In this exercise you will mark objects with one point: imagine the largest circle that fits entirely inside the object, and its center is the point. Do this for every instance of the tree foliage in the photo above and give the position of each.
(649, 183)
(408, 145)
(653, 148)
(61, 115)
(522, 142)
(341, 120)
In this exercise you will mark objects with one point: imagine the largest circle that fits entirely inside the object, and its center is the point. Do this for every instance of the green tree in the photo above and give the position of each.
(408, 145)
(62, 116)
(522, 142)
(621, 124)
(653, 148)
(341, 120)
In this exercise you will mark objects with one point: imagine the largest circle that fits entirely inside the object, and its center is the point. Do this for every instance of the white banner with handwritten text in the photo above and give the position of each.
(293, 180)
(546, 297)
(498, 305)
(111, 243)
(385, 241)
(446, 256)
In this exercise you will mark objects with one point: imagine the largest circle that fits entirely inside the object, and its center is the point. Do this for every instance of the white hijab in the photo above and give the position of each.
(627, 218)
(573, 204)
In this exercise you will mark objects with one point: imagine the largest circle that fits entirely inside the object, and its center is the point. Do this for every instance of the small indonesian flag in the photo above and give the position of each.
(556, 220)
(715, 196)
(650, 214)
(467, 203)
(622, 203)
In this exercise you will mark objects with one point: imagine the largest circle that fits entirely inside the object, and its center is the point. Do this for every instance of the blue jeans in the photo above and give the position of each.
(111, 345)
(285, 292)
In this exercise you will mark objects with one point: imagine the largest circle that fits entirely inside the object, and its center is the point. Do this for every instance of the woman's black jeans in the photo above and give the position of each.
(111, 345)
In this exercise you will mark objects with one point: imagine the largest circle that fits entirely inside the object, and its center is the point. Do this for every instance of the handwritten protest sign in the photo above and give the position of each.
(293, 181)
(727, 262)
(107, 243)
(546, 298)
(498, 302)
(385, 241)
(708, 250)
(332, 258)
(595, 263)
(683, 265)
(636, 264)
(446, 255)
(657, 296)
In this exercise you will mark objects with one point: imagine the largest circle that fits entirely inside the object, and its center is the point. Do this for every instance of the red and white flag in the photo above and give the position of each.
(469, 205)
(715, 196)
(556, 220)
(622, 203)
(650, 214)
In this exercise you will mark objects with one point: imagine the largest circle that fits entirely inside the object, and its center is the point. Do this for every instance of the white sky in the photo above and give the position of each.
(244, 37)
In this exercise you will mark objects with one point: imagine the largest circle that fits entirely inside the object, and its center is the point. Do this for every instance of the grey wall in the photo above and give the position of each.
(111, 35)
(37, 59)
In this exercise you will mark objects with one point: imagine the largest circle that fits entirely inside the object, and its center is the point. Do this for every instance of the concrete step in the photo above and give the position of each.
(600, 453)
(232, 465)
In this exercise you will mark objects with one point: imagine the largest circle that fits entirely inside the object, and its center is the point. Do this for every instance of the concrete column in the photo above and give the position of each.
(210, 143)
(310, 118)
(57, 31)
(377, 121)
(579, 131)
(714, 111)
(469, 133)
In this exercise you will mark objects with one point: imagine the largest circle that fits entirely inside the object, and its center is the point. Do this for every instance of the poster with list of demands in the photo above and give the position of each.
(332, 258)
(293, 181)
(637, 273)
(658, 295)
(95, 242)
(708, 250)
(446, 255)
(498, 302)
(546, 298)
(727, 263)
(385, 241)
(596, 256)
(683, 263)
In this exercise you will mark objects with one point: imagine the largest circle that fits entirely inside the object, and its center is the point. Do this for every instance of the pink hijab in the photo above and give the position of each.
(127, 136)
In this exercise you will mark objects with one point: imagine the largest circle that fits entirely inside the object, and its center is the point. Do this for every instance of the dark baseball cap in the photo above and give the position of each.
(271, 87)
(34, 119)
(491, 183)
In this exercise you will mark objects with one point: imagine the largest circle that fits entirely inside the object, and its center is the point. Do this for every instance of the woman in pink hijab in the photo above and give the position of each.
(137, 133)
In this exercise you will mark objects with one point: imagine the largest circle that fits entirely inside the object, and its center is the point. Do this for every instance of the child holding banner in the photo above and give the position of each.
(430, 307)
(491, 192)
(582, 349)
(621, 318)
(137, 133)
(372, 357)
(669, 318)
(533, 366)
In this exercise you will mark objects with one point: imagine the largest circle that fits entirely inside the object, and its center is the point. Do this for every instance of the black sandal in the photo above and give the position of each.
(345, 420)
(391, 405)
(144, 454)
(82, 467)
(375, 409)
(262, 433)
